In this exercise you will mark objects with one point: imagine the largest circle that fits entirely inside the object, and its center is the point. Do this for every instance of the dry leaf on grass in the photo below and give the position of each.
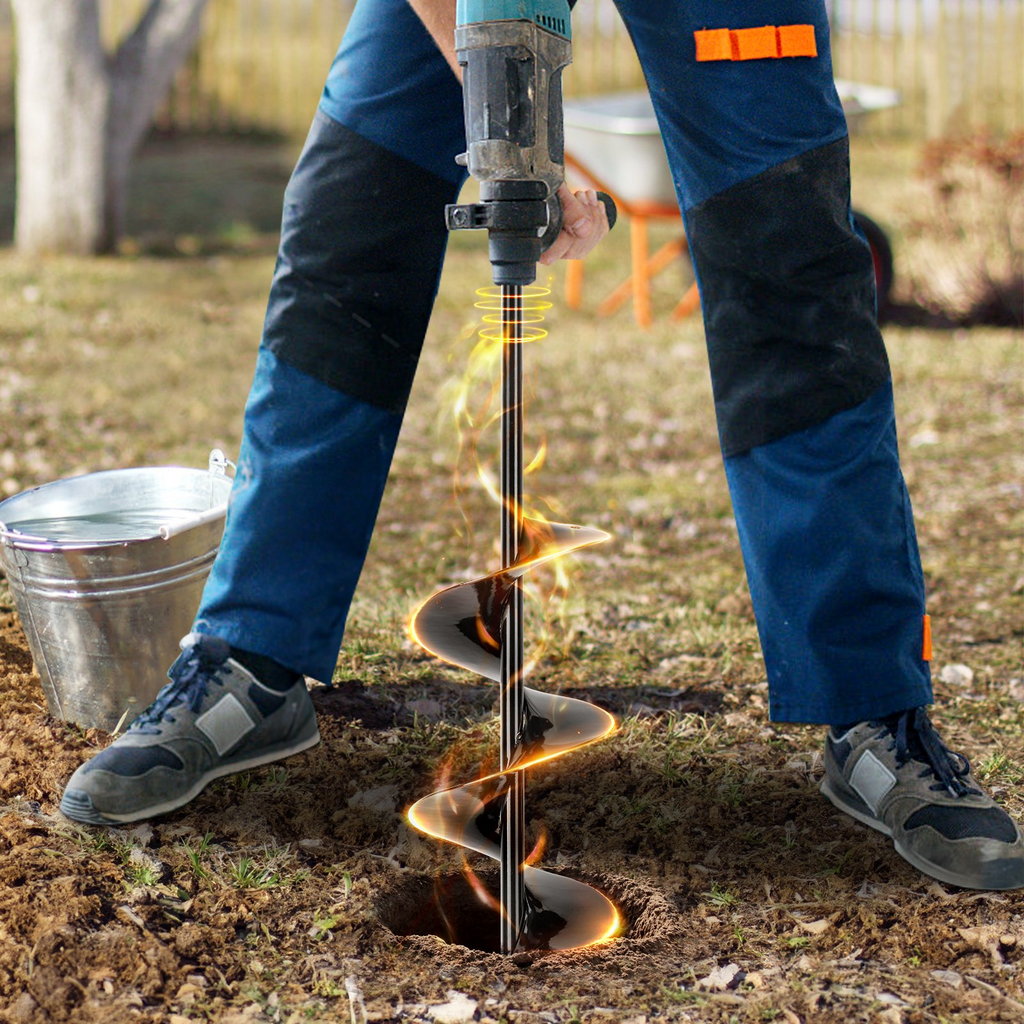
(986, 938)
(815, 927)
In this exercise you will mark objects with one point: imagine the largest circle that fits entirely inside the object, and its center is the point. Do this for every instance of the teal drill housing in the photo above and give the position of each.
(552, 15)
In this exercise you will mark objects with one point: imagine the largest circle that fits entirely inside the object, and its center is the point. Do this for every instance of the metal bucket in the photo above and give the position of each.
(107, 571)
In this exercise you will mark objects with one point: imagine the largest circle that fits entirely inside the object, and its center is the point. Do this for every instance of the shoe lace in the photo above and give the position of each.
(199, 665)
(916, 739)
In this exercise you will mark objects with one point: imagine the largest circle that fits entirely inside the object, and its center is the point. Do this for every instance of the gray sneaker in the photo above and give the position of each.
(213, 718)
(897, 776)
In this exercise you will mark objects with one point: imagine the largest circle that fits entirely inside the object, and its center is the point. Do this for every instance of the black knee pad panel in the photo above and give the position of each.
(789, 299)
(362, 240)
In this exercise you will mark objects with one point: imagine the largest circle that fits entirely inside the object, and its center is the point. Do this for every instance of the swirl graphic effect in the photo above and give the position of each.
(463, 625)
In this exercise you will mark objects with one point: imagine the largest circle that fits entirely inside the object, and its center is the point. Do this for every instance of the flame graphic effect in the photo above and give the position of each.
(462, 625)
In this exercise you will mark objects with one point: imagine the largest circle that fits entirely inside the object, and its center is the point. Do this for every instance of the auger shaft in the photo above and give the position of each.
(513, 836)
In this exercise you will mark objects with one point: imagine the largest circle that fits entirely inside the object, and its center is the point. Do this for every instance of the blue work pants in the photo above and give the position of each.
(759, 154)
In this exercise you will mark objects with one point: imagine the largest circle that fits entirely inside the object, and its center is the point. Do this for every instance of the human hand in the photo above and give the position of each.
(584, 224)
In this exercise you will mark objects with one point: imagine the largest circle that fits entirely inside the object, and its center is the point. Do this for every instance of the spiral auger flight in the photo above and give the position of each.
(478, 625)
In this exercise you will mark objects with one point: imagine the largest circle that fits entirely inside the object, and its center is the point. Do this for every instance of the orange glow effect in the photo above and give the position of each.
(471, 400)
(461, 625)
(538, 460)
(545, 552)
(534, 856)
(613, 929)
(418, 820)
(479, 889)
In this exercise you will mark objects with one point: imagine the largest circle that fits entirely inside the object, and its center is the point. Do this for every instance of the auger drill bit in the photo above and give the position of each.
(512, 55)
(478, 626)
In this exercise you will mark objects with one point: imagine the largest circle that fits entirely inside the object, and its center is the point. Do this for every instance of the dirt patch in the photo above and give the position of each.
(351, 700)
(646, 701)
(290, 889)
(749, 898)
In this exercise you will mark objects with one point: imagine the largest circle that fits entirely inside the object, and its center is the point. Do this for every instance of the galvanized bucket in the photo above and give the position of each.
(107, 571)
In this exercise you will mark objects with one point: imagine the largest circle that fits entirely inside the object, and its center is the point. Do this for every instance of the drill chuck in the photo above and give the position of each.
(516, 215)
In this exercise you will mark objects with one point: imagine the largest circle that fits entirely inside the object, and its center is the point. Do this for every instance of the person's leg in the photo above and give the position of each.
(362, 242)
(759, 154)
(804, 403)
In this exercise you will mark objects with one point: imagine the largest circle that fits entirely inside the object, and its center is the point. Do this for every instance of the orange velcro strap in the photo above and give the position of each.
(713, 44)
(926, 652)
(756, 43)
(797, 41)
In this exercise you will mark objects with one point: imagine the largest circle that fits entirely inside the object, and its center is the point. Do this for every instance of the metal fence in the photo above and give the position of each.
(260, 65)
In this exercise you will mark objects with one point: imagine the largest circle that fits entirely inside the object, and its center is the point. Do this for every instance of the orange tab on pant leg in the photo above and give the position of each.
(713, 44)
(926, 652)
(797, 41)
(754, 43)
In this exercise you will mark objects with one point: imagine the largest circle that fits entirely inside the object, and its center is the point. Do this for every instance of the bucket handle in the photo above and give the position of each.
(219, 464)
(7, 532)
(199, 519)
(166, 532)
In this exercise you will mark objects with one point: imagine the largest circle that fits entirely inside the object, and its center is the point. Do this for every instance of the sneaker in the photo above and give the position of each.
(213, 718)
(897, 776)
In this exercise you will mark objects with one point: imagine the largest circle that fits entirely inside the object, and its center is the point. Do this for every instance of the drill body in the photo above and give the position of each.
(512, 53)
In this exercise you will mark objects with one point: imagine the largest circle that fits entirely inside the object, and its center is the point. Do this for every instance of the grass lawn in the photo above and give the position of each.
(280, 894)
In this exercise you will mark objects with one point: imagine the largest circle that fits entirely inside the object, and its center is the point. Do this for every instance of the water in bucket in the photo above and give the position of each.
(102, 527)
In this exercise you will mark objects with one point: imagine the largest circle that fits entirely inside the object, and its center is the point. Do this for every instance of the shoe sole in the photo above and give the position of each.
(924, 866)
(78, 805)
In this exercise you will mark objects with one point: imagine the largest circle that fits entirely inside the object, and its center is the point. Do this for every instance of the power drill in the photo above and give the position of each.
(512, 53)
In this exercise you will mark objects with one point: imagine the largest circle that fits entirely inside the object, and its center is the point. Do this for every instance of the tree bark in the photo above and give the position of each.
(63, 97)
(82, 114)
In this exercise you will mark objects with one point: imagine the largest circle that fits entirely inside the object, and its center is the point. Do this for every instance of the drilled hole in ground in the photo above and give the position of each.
(448, 907)
(445, 906)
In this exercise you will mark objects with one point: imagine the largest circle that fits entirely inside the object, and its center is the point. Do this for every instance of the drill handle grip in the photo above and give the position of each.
(609, 208)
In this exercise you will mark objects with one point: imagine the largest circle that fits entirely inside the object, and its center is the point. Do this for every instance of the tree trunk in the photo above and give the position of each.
(63, 95)
(81, 115)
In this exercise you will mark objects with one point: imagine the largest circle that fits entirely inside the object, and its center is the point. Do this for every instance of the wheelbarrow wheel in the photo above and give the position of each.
(881, 255)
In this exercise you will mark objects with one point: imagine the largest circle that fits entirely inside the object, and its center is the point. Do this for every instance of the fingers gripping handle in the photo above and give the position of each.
(555, 218)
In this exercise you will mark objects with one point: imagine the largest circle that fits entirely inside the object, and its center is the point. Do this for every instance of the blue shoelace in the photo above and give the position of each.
(199, 665)
(915, 739)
